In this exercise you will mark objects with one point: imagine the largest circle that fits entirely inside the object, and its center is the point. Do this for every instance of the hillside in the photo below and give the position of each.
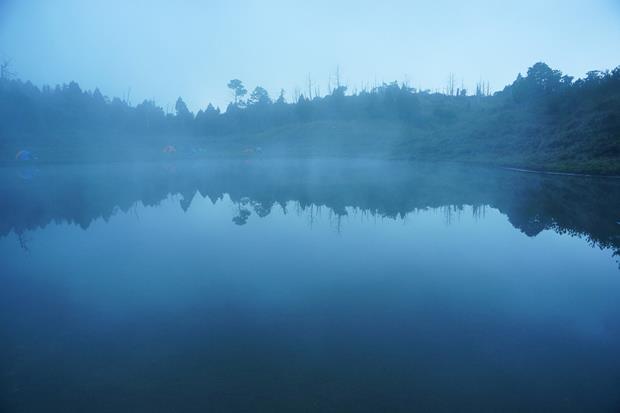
(544, 120)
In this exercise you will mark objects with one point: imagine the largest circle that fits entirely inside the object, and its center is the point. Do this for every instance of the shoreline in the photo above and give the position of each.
(537, 171)
(222, 156)
(5, 164)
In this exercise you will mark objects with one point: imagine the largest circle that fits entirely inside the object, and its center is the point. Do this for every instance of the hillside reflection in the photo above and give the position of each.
(580, 206)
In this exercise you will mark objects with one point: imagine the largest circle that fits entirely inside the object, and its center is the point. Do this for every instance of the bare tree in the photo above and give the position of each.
(338, 77)
(450, 86)
(483, 88)
(309, 87)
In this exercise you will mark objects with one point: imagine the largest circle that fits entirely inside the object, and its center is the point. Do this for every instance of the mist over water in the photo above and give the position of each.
(320, 285)
(284, 206)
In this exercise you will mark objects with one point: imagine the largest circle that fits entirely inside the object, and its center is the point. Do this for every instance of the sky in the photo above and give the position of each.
(155, 49)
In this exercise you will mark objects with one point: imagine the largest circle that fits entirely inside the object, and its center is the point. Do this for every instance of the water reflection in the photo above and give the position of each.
(307, 286)
(587, 207)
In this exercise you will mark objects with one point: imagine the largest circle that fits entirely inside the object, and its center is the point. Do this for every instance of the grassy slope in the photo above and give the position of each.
(578, 134)
(530, 147)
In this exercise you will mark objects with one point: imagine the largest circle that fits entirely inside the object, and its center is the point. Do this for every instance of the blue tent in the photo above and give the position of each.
(24, 155)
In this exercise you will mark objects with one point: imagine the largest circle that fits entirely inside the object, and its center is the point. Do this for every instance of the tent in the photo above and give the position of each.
(24, 155)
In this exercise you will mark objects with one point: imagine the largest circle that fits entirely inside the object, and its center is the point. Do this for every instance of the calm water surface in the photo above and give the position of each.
(282, 286)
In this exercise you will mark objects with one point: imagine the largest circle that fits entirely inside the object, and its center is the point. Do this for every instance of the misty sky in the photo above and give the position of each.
(163, 49)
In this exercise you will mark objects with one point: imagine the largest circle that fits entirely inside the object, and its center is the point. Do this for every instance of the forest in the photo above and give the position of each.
(544, 120)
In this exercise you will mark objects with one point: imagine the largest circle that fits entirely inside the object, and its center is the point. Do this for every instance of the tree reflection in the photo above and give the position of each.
(579, 206)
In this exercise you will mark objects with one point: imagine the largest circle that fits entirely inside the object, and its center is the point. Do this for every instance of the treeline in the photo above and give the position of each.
(544, 119)
(26, 110)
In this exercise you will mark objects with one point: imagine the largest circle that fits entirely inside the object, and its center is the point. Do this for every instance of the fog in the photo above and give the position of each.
(161, 50)
(330, 206)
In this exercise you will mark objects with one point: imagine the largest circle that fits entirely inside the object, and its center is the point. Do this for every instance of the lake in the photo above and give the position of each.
(294, 286)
